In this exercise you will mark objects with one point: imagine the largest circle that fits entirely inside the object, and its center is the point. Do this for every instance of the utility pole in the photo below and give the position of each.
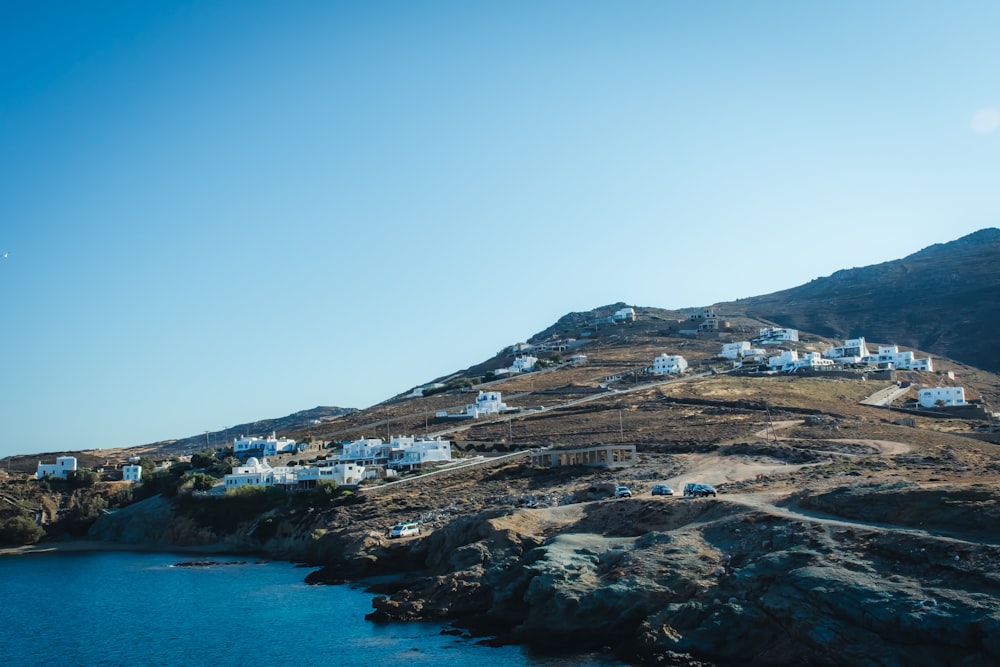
(621, 427)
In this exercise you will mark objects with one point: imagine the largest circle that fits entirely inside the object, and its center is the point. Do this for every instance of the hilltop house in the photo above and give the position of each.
(669, 363)
(624, 315)
(853, 351)
(789, 362)
(890, 357)
(772, 336)
(260, 473)
(132, 473)
(261, 447)
(487, 403)
(63, 466)
(522, 364)
(740, 350)
(400, 453)
(941, 396)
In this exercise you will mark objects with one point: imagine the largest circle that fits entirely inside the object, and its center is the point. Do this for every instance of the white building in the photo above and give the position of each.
(853, 351)
(669, 363)
(523, 364)
(624, 315)
(132, 473)
(270, 446)
(890, 357)
(735, 351)
(409, 453)
(341, 472)
(401, 452)
(260, 473)
(772, 336)
(928, 398)
(63, 466)
(789, 361)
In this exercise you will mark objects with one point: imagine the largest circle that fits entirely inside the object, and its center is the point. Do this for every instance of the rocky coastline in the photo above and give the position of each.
(764, 574)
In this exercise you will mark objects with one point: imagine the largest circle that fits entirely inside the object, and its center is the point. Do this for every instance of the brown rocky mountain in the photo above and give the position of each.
(944, 300)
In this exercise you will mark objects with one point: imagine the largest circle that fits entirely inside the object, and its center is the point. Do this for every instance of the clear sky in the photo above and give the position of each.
(218, 212)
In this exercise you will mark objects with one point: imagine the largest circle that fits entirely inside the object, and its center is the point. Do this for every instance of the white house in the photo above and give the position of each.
(789, 361)
(669, 363)
(61, 468)
(260, 473)
(341, 472)
(487, 403)
(252, 473)
(270, 446)
(853, 351)
(624, 315)
(401, 452)
(773, 336)
(132, 473)
(409, 453)
(783, 362)
(889, 356)
(928, 398)
(735, 351)
(523, 364)
(367, 451)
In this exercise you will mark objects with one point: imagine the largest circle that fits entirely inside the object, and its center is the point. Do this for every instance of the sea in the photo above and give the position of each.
(115, 609)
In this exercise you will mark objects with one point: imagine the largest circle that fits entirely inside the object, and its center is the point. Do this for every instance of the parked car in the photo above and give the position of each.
(623, 492)
(405, 529)
(662, 490)
(696, 490)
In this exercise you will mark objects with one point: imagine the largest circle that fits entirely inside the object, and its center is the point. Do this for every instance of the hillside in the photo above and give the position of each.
(942, 300)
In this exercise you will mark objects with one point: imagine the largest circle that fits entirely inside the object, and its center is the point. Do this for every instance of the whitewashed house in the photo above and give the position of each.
(624, 315)
(666, 364)
(789, 361)
(783, 362)
(409, 453)
(735, 351)
(132, 473)
(890, 357)
(366, 451)
(260, 473)
(853, 351)
(341, 472)
(774, 336)
(950, 396)
(523, 364)
(63, 466)
(400, 453)
(270, 446)
(252, 473)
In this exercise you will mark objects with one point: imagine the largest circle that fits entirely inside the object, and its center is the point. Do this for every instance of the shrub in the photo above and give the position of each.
(20, 530)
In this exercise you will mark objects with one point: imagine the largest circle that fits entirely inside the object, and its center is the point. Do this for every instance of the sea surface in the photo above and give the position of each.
(119, 608)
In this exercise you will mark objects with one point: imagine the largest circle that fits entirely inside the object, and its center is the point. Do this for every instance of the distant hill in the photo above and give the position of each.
(298, 421)
(944, 300)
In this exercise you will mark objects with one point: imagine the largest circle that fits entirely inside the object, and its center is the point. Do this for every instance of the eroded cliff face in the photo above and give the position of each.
(720, 582)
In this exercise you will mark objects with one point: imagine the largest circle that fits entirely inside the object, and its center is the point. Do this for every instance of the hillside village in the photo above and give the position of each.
(510, 475)
(773, 350)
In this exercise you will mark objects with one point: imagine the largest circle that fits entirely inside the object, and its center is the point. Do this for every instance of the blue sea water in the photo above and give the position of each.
(115, 609)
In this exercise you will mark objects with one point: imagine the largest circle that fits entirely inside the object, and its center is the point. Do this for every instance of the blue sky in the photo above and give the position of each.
(218, 212)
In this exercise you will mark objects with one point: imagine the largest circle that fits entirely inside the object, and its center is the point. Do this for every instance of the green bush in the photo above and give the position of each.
(239, 505)
(20, 530)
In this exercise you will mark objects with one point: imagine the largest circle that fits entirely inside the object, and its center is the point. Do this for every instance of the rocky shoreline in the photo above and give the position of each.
(876, 572)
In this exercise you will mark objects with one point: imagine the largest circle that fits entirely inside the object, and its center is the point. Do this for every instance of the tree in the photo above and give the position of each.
(83, 477)
(19, 530)
(200, 481)
(203, 459)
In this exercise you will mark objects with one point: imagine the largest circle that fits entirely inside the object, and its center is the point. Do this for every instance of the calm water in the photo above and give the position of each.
(127, 609)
